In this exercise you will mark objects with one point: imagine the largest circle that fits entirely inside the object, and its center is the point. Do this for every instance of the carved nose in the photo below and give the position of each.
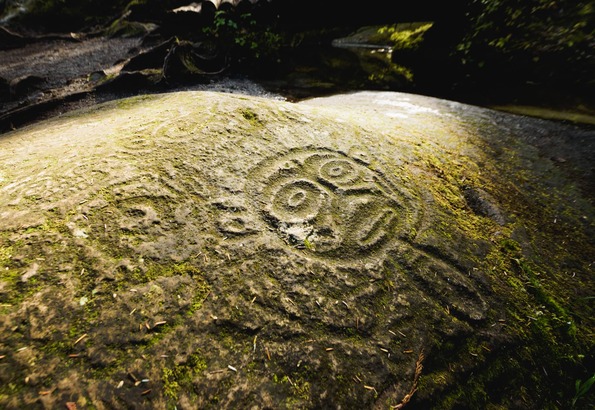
(327, 234)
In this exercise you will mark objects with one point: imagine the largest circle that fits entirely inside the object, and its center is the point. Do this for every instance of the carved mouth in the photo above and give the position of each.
(361, 234)
(377, 228)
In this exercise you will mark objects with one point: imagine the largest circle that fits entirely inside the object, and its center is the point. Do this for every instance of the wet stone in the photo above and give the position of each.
(239, 252)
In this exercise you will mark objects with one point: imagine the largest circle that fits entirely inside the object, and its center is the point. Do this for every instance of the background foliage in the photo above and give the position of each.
(505, 44)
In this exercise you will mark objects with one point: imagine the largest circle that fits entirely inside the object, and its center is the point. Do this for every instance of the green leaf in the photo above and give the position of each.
(584, 388)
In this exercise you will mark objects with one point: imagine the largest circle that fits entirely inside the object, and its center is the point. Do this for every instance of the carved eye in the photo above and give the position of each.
(339, 172)
(297, 201)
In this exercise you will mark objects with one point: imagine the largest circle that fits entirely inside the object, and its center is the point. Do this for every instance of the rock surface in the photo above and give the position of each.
(205, 250)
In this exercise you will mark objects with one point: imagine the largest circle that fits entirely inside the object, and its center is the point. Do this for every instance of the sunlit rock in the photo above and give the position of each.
(207, 250)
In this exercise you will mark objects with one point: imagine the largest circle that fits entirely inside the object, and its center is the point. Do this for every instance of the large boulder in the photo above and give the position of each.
(207, 250)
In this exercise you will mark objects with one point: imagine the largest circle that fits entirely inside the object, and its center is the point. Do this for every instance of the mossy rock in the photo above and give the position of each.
(207, 250)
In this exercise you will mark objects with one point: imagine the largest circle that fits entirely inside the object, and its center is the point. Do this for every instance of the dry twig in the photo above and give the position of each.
(79, 339)
(418, 368)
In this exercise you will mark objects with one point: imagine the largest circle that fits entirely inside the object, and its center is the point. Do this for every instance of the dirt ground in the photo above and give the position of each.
(46, 74)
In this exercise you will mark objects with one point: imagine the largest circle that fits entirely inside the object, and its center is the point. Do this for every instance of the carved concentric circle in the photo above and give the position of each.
(296, 201)
(339, 172)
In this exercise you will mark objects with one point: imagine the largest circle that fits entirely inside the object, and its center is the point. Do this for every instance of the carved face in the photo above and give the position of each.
(329, 203)
(336, 207)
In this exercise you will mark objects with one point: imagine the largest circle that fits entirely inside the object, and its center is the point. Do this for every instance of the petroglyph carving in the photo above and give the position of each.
(330, 204)
(233, 218)
(443, 281)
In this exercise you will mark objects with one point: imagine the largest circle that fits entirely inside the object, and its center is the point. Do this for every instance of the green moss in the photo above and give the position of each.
(309, 245)
(57, 347)
(181, 376)
(124, 28)
(533, 313)
(201, 289)
(11, 274)
(558, 318)
(131, 102)
(170, 384)
(252, 117)
(201, 292)
(299, 389)
(402, 36)
(519, 274)
(482, 378)
(6, 253)
(156, 270)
